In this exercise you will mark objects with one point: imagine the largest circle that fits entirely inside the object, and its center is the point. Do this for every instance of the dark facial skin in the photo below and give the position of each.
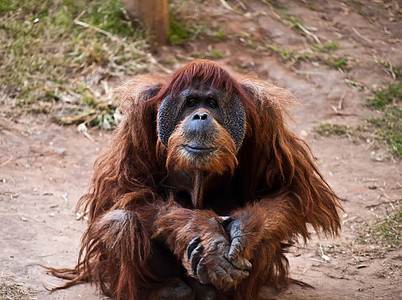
(200, 99)
(200, 113)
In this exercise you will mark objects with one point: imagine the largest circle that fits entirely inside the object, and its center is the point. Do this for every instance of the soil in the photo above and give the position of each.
(44, 168)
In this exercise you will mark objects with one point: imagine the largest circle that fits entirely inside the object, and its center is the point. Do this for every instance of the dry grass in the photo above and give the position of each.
(12, 292)
(51, 63)
(385, 233)
(384, 129)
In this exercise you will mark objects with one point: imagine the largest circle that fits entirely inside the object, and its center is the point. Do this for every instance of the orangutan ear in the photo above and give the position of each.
(137, 90)
(267, 96)
(150, 91)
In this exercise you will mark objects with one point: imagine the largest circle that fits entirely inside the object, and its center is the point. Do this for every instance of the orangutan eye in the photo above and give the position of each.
(191, 102)
(212, 103)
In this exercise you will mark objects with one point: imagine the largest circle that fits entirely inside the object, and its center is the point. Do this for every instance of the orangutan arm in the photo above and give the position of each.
(272, 221)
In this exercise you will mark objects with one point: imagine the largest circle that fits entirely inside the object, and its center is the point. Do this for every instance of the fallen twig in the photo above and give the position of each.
(317, 260)
(340, 103)
(7, 161)
(64, 196)
(309, 33)
(323, 255)
(361, 36)
(226, 5)
(242, 4)
(382, 203)
(391, 70)
(86, 25)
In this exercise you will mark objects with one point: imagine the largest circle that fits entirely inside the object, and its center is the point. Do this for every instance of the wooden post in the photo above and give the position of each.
(155, 16)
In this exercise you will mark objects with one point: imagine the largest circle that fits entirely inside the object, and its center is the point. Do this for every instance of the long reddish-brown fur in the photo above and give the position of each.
(133, 222)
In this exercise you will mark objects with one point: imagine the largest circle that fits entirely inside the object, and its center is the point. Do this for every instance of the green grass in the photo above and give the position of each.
(186, 24)
(292, 20)
(287, 55)
(329, 47)
(336, 62)
(328, 129)
(354, 134)
(386, 231)
(397, 72)
(388, 102)
(387, 96)
(311, 5)
(180, 31)
(216, 54)
(49, 64)
(386, 129)
(218, 35)
(357, 6)
(321, 53)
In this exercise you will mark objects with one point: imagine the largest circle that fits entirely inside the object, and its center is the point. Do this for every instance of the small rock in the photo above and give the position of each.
(303, 134)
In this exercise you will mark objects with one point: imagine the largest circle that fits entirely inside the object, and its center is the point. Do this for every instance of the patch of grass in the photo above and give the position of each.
(287, 55)
(216, 54)
(386, 129)
(357, 6)
(389, 95)
(273, 48)
(354, 83)
(372, 240)
(389, 270)
(389, 125)
(186, 24)
(269, 1)
(93, 112)
(317, 52)
(311, 5)
(397, 72)
(386, 231)
(179, 30)
(110, 16)
(337, 62)
(218, 35)
(12, 291)
(329, 47)
(321, 53)
(328, 129)
(394, 71)
(297, 25)
(47, 60)
(292, 20)
(291, 56)
(249, 39)
(353, 133)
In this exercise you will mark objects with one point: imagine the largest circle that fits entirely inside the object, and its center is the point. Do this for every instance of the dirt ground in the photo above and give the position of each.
(44, 168)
